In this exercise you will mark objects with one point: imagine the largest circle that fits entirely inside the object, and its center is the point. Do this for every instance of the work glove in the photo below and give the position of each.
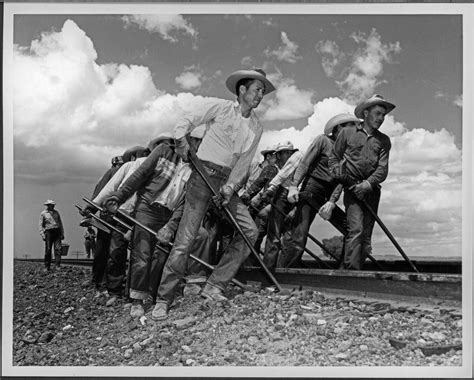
(245, 198)
(112, 204)
(164, 235)
(361, 189)
(223, 198)
(326, 209)
(182, 148)
(293, 194)
(87, 211)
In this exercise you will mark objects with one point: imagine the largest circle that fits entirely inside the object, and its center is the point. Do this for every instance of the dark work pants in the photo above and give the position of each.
(146, 265)
(360, 224)
(276, 222)
(101, 256)
(315, 194)
(52, 239)
(116, 262)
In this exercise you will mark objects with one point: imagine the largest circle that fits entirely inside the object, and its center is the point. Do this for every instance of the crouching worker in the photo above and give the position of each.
(226, 152)
(159, 185)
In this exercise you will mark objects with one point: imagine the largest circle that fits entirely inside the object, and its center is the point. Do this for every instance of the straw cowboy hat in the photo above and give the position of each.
(342, 118)
(259, 74)
(267, 150)
(287, 145)
(372, 101)
(49, 202)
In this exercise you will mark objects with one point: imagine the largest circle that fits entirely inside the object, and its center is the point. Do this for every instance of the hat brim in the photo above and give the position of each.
(286, 150)
(338, 120)
(231, 82)
(264, 152)
(359, 110)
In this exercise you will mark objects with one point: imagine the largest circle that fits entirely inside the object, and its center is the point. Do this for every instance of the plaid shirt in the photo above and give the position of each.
(152, 176)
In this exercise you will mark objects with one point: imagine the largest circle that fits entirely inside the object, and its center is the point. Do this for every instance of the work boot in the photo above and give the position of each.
(213, 293)
(160, 311)
(137, 310)
(191, 289)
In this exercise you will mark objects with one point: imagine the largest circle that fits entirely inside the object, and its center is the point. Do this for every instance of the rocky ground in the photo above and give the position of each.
(59, 321)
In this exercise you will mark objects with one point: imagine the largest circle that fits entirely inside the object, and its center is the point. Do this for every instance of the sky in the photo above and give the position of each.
(87, 87)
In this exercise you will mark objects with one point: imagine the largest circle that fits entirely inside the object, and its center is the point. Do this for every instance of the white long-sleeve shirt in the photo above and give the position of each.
(116, 181)
(230, 140)
(285, 174)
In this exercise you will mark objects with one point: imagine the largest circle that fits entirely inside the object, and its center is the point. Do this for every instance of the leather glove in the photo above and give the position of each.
(112, 204)
(361, 189)
(245, 198)
(128, 235)
(43, 237)
(293, 194)
(182, 148)
(164, 235)
(326, 209)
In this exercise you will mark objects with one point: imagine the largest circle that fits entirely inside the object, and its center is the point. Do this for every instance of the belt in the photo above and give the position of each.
(214, 169)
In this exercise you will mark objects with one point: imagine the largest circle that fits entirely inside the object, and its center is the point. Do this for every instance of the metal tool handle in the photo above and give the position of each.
(201, 171)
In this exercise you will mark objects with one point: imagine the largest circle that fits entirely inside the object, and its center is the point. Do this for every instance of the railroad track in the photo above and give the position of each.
(425, 287)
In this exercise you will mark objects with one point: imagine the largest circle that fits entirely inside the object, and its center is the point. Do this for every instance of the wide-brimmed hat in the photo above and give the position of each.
(137, 151)
(50, 202)
(268, 149)
(160, 138)
(259, 74)
(372, 101)
(342, 118)
(199, 132)
(287, 145)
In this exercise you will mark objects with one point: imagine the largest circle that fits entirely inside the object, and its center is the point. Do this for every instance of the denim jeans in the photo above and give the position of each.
(276, 220)
(360, 224)
(198, 197)
(117, 262)
(144, 264)
(314, 195)
(52, 239)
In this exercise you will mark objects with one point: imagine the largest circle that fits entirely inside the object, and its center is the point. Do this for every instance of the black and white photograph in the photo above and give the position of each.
(237, 189)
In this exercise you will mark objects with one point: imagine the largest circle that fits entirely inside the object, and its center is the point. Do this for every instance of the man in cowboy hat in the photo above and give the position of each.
(319, 191)
(359, 160)
(52, 232)
(159, 183)
(227, 150)
(287, 159)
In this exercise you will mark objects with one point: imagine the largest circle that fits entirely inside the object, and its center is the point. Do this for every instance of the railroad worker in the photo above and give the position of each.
(115, 268)
(319, 191)
(52, 232)
(288, 159)
(102, 245)
(251, 196)
(159, 182)
(89, 241)
(117, 161)
(359, 160)
(227, 150)
(256, 168)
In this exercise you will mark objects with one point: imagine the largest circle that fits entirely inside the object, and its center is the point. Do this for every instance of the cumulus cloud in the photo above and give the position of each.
(166, 25)
(189, 80)
(287, 52)
(360, 79)
(332, 57)
(64, 99)
(288, 103)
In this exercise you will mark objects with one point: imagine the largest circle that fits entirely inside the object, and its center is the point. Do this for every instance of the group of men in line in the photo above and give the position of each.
(158, 187)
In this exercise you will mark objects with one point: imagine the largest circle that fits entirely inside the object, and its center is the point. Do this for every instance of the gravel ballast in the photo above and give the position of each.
(60, 321)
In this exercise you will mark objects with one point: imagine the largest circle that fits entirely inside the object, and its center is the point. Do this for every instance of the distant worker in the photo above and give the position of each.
(359, 161)
(89, 242)
(52, 232)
